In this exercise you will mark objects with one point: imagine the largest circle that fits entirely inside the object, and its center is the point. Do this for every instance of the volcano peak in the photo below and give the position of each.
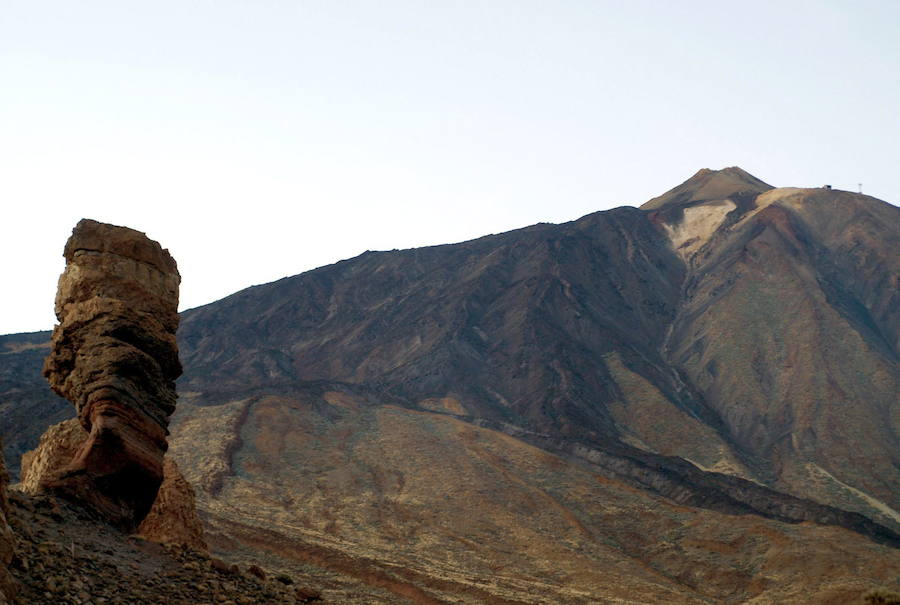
(709, 184)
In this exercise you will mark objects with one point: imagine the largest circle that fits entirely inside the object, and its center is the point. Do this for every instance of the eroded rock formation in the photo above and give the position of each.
(173, 518)
(114, 356)
(58, 446)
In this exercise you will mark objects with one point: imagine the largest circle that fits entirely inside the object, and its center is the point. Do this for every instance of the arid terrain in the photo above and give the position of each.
(695, 401)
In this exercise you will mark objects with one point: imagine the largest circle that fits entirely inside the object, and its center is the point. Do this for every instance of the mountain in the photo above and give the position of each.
(27, 405)
(707, 184)
(694, 401)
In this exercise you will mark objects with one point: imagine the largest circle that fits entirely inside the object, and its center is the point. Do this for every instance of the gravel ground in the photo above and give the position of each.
(64, 555)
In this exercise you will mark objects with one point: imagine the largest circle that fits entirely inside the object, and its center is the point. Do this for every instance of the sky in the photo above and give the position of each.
(260, 139)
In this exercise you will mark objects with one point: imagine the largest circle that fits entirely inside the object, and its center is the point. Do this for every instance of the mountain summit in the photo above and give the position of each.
(709, 185)
(689, 402)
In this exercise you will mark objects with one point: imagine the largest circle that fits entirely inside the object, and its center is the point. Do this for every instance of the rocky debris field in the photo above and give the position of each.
(66, 555)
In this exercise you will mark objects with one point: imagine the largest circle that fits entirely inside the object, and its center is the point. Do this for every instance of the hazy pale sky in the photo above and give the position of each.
(258, 139)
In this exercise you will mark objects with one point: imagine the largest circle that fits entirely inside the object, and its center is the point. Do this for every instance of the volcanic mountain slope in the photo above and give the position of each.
(789, 327)
(438, 510)
(536, 416)
(753, 333)
(27, 405)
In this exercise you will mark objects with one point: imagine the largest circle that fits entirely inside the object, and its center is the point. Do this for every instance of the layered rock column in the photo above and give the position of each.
(114, 356)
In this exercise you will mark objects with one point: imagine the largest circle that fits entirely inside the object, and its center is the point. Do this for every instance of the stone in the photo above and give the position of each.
(57, 447)
(308, 595)
(114, 356)
(256, 570)
(173, 517)
(220, 566)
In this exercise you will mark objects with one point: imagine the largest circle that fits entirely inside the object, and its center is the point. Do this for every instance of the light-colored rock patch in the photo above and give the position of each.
(770, 197)
(725, 466)
(212, 430)
(57, 447)
(448, 405)
(24, 346)
(814, 469)
(697, 226)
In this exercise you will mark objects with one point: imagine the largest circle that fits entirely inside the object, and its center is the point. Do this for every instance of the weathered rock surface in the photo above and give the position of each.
(58, 446)
(7, 539)
(173, 518)
(114, 356)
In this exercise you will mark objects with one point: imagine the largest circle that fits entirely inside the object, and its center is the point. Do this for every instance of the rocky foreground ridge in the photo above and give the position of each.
(65, 554)
(172, 518)
(690, 402)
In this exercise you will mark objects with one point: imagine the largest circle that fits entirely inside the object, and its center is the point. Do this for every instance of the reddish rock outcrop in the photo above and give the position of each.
(114, 356)
(7, 540)
(173, 518)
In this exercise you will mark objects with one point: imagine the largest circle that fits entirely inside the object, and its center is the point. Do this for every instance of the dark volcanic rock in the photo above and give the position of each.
(27, 403)
(511, 326)
(114, 356)
(7, 540)
(726, 322)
